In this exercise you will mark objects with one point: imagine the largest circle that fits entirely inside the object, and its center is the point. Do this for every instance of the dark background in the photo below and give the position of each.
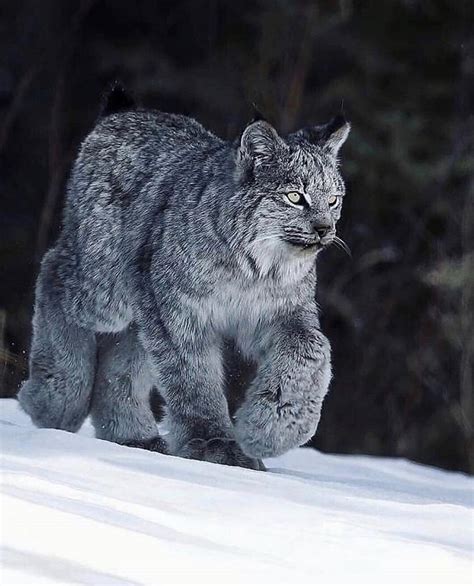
(400, 313)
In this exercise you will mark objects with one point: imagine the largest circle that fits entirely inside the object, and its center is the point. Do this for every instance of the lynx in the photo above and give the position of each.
(174, 244)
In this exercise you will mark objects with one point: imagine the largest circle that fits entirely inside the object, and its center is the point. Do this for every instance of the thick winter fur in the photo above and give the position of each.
(174, 241)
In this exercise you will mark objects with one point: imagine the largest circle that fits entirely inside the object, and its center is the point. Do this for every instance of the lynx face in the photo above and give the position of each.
(294, 186)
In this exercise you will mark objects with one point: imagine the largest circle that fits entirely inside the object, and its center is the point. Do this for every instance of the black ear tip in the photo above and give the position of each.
(117, 99)
(257, 115)
(334, 125)
(337, 122)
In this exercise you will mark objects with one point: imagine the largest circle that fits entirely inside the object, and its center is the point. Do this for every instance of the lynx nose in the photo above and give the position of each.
(322, 228)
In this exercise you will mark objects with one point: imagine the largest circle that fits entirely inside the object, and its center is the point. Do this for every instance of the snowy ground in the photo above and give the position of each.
(79, 510)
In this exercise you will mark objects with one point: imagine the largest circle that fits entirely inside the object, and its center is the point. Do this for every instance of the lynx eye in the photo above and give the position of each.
(333, 200)
(294, 197)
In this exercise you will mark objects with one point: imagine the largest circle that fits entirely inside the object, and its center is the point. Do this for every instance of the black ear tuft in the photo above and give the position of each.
(257, 114)
(333, 126)
(117, 100)
(330, 136)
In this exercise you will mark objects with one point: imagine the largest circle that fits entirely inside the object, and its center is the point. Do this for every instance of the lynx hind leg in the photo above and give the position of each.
(62, 361)
(120, 408)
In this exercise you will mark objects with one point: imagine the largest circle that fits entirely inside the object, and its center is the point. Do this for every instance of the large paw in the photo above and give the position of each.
(154, 444)
(266, 426)
(283, 404)
(219, 451)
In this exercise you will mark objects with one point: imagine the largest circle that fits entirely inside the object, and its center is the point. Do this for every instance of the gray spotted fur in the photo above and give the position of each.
(173, 241)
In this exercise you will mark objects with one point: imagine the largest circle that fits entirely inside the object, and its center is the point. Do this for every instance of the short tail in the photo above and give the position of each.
(117, 100)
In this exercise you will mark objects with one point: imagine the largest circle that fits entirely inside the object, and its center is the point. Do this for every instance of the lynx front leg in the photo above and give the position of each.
(283, 404)
(188, 366)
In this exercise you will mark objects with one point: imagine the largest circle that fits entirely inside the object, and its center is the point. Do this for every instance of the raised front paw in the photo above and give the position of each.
(266, 427)
(283, 404)
(219, 451)
(281, 412)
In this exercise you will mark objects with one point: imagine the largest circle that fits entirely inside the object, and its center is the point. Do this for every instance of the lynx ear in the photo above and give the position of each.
(336, 133)
(260, 143)
(331, 136)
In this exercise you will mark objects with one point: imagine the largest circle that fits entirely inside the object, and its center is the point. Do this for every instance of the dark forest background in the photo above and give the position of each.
(400, 312)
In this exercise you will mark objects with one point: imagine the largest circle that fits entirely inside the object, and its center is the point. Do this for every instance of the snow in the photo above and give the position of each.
(77, 510)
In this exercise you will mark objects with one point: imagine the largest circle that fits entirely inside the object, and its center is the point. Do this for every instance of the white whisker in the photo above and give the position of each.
(339, 242)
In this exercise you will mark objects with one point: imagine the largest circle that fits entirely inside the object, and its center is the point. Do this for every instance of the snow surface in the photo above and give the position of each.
(75, 509)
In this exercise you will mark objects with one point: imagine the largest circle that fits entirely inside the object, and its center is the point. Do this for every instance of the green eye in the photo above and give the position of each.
(294, 197)
(333, 200)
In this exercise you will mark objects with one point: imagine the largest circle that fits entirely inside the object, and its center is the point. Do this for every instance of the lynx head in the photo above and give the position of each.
(293, 186)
